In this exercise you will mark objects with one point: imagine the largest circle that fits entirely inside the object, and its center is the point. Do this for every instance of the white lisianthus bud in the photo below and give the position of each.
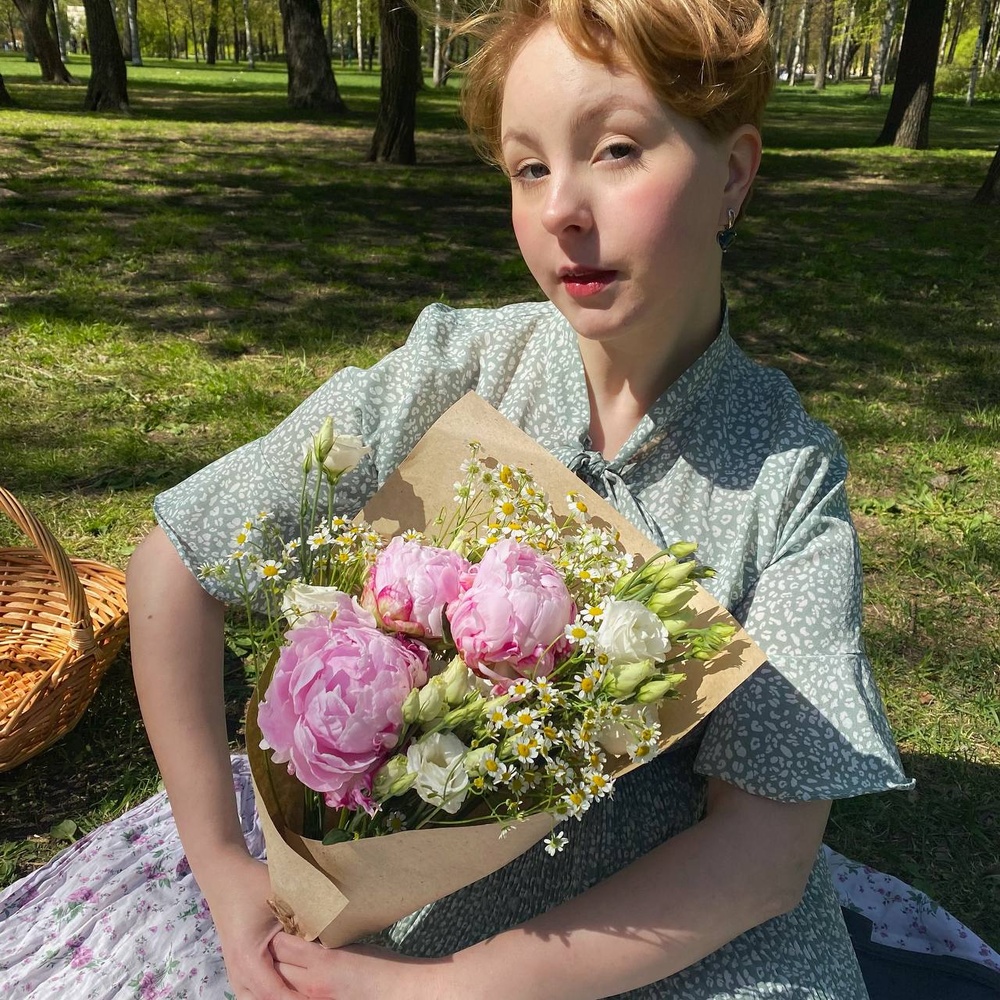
(622, 679)
(472, 710)
(658, 688)
(441, 778)
(431, 700)
(411, 707)
(630, 632)
(392, 778)
(458, 682)
(323, 440)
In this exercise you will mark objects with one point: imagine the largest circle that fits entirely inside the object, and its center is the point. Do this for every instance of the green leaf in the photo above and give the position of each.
(66, 830)
(337, 836)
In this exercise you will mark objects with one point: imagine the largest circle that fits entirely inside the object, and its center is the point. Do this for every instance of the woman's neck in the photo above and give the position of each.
(623, 383)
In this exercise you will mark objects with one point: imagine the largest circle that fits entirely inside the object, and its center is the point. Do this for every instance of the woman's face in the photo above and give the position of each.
(616, 199)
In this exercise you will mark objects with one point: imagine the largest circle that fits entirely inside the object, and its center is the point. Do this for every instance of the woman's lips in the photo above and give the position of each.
(581, 282)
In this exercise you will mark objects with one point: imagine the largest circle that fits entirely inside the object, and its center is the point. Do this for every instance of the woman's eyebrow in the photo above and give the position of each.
(598, 110)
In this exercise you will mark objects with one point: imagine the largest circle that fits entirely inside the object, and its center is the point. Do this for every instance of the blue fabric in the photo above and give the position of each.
(895, 974)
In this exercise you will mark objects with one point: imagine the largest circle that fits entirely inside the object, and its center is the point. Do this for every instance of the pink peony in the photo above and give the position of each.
(510, 619)
(410, 584)
(333, 709)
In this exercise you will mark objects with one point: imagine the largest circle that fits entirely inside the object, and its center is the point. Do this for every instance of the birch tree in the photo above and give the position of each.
(885, 41)
(977, 53)
(133, 32)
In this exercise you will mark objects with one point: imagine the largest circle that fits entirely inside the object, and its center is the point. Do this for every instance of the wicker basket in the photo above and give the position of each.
(62, 621)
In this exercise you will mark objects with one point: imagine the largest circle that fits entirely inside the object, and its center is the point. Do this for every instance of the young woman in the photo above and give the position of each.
(629, 132)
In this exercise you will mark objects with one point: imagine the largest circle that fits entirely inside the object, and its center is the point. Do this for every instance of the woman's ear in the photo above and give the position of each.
(744, 146)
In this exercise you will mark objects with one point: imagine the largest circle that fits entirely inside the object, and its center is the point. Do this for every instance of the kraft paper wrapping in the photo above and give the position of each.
(343, 892)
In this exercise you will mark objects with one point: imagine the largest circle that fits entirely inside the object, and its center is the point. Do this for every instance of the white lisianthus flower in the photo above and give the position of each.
(630, 632)
(301, 600)
(345, 453)
(437, 761)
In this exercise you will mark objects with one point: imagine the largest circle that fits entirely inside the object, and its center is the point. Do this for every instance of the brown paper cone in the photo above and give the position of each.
(345, 891)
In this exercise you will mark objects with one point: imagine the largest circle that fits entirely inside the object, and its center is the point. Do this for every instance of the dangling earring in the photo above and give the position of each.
(727, 235)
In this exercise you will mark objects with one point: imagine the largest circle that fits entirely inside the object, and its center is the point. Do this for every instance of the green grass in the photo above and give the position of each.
(173, 282)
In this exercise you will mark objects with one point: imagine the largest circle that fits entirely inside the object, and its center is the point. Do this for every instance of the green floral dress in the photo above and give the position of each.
(726, 457)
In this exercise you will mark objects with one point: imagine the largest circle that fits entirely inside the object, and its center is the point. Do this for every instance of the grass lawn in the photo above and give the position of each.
(173, 282)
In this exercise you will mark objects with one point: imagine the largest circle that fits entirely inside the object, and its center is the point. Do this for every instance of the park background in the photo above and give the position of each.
(175, 276)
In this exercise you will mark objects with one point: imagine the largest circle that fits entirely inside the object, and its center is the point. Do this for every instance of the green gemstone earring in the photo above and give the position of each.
(727, 235)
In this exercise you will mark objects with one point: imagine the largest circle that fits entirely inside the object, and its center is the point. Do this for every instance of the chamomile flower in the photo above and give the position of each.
(599, 783)
(526, 746)
(555, 842)
(525, 716)
(270, 569)
(588, 684)
(521, 688)
(581, 633)
(395, 822)
(576, 801)
(319, 538)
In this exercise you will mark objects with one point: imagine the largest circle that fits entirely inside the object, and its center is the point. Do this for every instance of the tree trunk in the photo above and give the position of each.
(133, 32)
(108, 89)
(212, 51)
(393, 141)
(170, 32)
(311, 83)
(194, 31)
(989, 193)
(35, 14)
(955, 26)
(249, 32)
(908, 122)
(882, 56)
(799, 52)
(361, 38)
(56, 31)
(977, 54)
(5, 98)
(825, 37)
(848, 49)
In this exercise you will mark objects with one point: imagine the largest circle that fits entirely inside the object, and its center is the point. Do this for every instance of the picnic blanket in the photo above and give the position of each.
(118, 914)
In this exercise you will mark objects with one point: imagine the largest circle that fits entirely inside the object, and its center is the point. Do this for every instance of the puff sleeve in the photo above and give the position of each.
(809, 724)
(389, 406)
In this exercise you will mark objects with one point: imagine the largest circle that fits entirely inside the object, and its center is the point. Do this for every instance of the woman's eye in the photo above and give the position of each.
(621, 151)
(532, 171)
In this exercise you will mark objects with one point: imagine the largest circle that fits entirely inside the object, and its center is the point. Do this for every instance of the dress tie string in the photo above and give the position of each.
(593, 469)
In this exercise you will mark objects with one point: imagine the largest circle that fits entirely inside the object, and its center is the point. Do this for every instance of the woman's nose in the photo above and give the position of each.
(567, 206)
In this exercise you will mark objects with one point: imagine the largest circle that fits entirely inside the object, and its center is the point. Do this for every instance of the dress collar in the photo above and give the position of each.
(662, 427)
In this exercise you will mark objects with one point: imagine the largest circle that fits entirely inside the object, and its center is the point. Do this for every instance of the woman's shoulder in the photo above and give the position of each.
(486, 322)
(762, 395)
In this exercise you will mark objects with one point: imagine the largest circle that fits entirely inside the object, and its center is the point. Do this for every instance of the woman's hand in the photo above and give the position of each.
(246, 927)
(354, 973)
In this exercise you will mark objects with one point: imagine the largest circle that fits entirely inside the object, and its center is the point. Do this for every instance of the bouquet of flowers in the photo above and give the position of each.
(502, 664)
